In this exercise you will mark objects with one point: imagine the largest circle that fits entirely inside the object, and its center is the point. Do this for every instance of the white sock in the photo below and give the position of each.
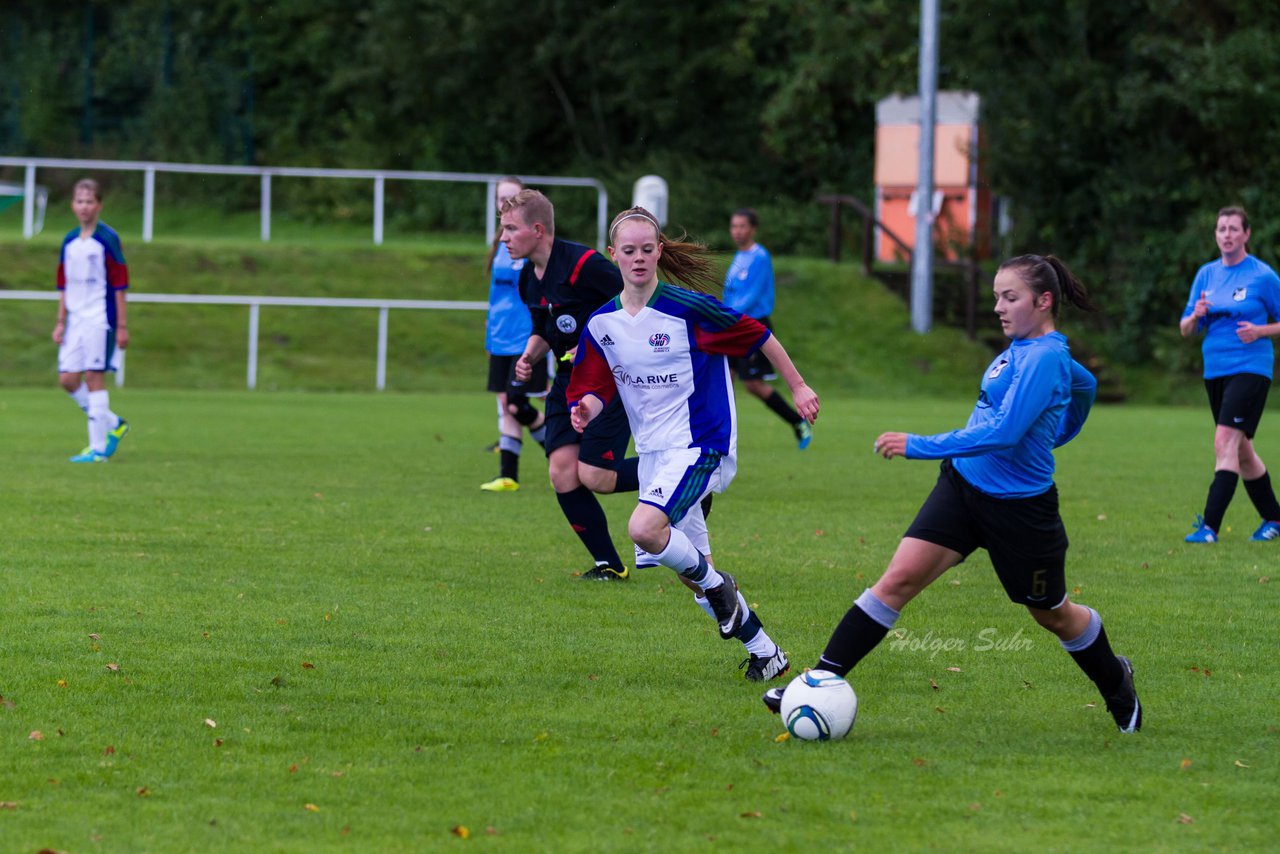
(681, 556)
(81, 397)
(762, 645)
(99, 413)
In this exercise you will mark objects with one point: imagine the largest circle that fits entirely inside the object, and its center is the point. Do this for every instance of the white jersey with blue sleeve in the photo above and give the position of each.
(668, 364)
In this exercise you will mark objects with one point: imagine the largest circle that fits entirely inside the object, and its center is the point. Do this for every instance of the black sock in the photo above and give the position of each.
(856, 636)
(509, 465)
(1263, 497)
(586, 516)
(628, 475)
(1220, 492)
(1100, 664)
(776, 402)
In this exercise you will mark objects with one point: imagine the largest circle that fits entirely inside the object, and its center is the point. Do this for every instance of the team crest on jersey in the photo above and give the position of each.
(659, 341)
(566, 324)
(1239, 294)
(1000, 366)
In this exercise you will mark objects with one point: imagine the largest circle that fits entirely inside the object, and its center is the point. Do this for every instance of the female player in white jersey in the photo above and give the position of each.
(662, 349)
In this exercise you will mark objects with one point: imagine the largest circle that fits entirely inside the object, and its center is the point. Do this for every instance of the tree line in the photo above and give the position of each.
(1117, 128)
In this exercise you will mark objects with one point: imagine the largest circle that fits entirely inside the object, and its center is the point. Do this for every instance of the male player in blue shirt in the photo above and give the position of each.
(748, 289)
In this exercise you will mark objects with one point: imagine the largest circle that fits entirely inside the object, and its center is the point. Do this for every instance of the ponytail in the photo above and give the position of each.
(683, 262)
(1048, 274)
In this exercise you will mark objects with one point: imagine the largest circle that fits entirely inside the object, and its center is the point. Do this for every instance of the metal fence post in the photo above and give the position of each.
(253, 346)
(29, 203)
(266, 206)
(148, 203)
(382, 347)
(379, 189)
(490, 212)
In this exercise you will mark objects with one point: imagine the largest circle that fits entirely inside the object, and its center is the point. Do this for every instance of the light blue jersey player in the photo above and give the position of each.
(995, 491)
(749, 290)
(1235, 302)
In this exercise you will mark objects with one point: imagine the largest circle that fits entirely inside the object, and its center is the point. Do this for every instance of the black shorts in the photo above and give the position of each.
(1025, 537)
(757, 365)
(603, 444)
(1238, 400)
(502, 377)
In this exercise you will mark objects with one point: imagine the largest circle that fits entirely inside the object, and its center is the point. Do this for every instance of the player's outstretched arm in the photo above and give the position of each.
(805, 398)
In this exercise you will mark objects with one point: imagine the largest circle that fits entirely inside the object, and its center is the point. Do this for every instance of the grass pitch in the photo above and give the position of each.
(287, 622)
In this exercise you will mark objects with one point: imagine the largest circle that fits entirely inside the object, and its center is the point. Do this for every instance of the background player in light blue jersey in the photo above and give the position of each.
(92, 278)
(996, 491)
(748, 288)
(507, 328)
(1231, 301)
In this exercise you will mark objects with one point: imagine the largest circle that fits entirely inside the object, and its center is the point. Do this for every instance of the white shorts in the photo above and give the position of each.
(675, 481)
(88, 348)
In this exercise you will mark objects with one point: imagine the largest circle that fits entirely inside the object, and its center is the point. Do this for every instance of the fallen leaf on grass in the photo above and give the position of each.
(94, 636)
(1264, 579)
(917, 761)
(1091, 705)
(460, 831)
(293, 769)
(210, 723)
(753, 814)
(307, 665)
(933, 685)
(1183, 818)
(8, 805)
(110, 749)
(1184, 764)
(782, 736)
(143, 791)
(311, 808)
(217, 742)
(113, 667)
(36, 735)
(1240, 764)
(62, 683)
(975, 807)
(954, 670)
(940, 710)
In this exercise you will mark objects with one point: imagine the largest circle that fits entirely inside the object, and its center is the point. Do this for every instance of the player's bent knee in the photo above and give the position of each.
(597, 479)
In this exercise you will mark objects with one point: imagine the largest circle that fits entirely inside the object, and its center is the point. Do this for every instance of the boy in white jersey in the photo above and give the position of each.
(92, 278)
(662, 349)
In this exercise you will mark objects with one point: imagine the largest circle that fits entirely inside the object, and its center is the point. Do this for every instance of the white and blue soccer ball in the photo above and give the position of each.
(818, 705)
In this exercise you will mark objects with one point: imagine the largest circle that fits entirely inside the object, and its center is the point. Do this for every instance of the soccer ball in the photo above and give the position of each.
(819, 705)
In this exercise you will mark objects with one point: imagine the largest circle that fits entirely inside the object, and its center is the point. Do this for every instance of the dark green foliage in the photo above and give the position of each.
(1116, 128)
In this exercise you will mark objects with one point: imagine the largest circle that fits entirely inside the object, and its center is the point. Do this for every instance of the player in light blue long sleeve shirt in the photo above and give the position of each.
(996, 491)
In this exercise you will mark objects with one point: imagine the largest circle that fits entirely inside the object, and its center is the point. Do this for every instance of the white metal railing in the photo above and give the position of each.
(265, 173)
(255, 303)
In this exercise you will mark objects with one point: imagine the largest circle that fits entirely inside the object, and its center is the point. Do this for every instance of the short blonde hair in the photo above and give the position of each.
(534, 207)
(90, 185)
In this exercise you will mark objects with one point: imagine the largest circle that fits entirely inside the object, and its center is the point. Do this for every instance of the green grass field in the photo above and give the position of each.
(390, 655)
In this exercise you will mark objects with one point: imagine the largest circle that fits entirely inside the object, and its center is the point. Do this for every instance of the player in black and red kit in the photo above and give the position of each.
(563, 283)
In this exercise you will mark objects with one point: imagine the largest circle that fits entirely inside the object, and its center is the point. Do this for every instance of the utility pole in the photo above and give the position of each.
(922, 256)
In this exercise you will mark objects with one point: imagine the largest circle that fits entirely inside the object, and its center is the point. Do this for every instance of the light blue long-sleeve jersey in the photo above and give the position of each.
(1034, 398)
(1248, 291)
(748, 283)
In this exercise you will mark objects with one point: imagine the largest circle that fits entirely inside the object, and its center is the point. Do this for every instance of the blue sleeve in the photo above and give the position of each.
(1084, 388)
(1029, 394)
(1271, 295)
